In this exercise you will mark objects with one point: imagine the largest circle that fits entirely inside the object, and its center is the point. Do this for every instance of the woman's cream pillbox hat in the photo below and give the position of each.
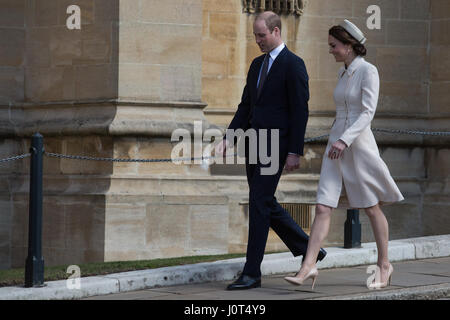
(354, 31)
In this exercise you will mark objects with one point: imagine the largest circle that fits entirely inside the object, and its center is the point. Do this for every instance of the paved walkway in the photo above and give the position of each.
(417, 279)
(421, 265)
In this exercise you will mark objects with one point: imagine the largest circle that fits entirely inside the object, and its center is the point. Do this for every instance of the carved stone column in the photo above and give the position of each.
(117, 87)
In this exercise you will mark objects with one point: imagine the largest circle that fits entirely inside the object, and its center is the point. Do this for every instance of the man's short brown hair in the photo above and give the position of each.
(271, 19)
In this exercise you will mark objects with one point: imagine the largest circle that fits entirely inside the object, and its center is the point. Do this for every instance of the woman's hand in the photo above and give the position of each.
(336, 150)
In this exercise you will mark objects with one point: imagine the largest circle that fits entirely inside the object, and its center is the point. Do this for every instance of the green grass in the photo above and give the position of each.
(14, 277)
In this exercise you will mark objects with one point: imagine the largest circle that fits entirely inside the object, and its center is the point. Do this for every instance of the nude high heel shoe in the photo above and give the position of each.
(313, 273)
(379, 285)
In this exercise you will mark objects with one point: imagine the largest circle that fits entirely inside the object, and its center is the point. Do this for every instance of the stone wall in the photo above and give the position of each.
(65, 65)
(12, 56)
(436, 196)
(12, 81)
(117, 87)
(412, 39)
(439, 59)
(399, 50)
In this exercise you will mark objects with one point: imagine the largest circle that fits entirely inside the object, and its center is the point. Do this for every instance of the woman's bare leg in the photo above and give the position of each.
(381, 232)
(319, 231)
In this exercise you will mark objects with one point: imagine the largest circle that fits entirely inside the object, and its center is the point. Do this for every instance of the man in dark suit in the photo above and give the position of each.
(275, 97)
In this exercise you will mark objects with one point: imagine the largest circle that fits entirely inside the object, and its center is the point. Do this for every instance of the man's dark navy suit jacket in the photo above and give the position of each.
(282, 104)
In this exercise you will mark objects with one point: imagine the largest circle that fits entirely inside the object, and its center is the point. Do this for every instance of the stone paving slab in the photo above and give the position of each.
(333, 282)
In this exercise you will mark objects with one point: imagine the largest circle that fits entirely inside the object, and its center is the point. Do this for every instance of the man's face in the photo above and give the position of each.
(265, 39)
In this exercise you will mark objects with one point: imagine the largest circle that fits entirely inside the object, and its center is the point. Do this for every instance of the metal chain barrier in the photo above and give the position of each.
(16, 158)
(316, 138)
(422, 133)
(72, 157)
(308, 140)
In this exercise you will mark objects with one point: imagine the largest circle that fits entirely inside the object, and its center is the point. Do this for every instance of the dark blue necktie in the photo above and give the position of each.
(263, 76)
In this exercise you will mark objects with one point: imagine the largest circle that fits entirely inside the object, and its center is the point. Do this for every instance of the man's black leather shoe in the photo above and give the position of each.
(245, 282)
(321, 255)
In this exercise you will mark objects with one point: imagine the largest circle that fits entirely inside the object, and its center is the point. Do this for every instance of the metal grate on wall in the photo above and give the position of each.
(301, 213)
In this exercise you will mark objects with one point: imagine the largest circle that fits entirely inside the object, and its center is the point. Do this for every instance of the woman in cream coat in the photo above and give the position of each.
(352, 160)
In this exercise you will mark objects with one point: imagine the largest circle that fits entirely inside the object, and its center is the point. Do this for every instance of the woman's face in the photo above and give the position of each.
(339, 50)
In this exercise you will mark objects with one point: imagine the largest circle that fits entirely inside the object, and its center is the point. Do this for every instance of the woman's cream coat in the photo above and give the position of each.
(361, 171)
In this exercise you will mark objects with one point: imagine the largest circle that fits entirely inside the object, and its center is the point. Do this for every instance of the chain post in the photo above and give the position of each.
(34, 266)
(352, 230)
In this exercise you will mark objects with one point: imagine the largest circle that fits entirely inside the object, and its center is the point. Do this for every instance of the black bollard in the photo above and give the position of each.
(34, 266)
(352, 230)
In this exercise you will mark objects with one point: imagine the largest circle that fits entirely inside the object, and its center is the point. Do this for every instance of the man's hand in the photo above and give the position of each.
(221, 148)
(292, 162)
